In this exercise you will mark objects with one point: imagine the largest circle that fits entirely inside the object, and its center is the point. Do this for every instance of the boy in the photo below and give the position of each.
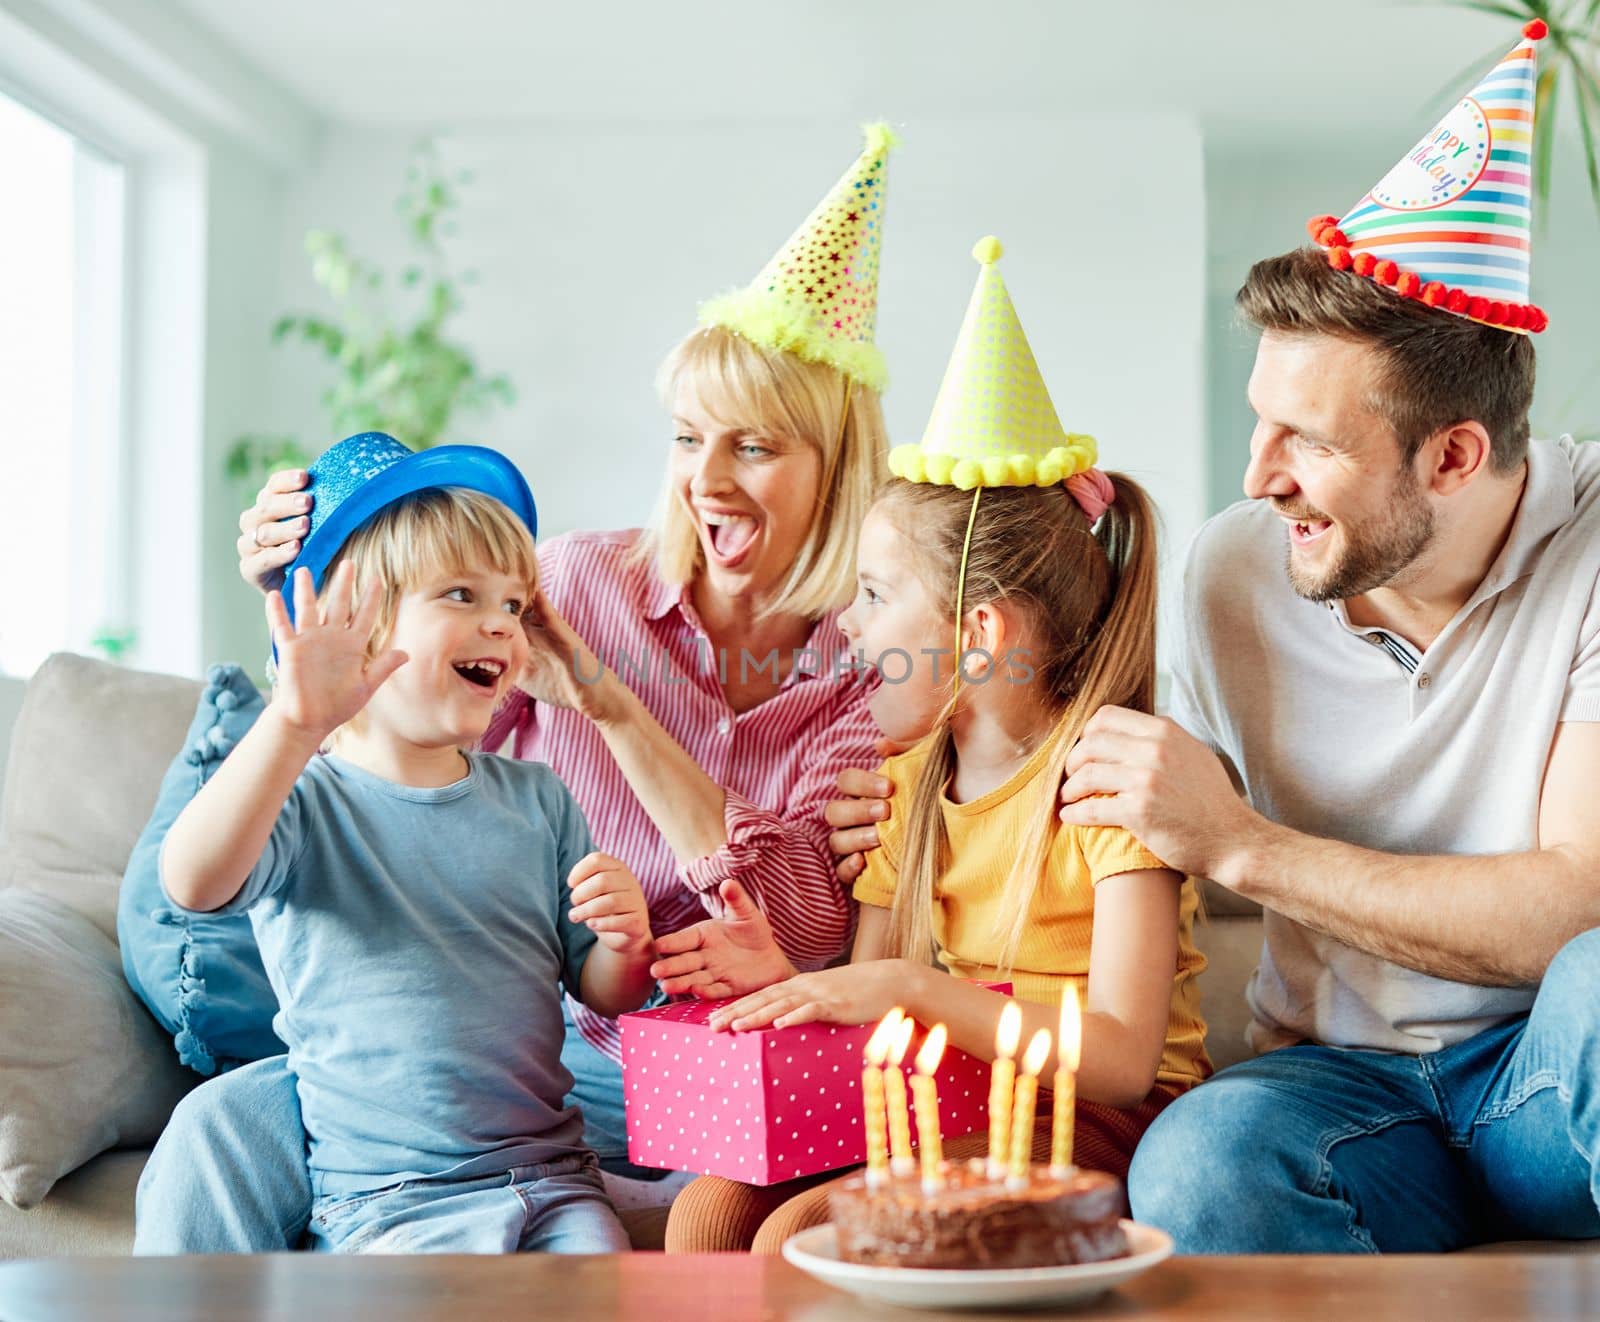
(405, 893)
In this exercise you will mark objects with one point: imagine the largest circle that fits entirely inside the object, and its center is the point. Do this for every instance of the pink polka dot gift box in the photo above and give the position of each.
(767, 1105)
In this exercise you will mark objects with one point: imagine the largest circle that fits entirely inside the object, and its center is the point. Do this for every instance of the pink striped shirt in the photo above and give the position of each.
(777, 762)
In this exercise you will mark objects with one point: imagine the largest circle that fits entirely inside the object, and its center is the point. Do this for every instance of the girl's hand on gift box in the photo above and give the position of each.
(607, 899)
(850, 994)
(726, 956)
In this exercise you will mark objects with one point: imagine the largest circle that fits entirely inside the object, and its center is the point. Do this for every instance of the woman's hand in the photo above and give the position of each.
(561, 670)
(862, 803)
(852, 994)
(725, 956)
(324, 674)
(271, 529)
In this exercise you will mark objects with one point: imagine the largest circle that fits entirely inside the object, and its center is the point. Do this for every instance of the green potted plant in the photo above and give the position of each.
(1569, 56)
(404, 377)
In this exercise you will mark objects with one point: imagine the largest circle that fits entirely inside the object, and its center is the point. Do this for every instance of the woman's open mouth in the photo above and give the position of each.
(729, 536)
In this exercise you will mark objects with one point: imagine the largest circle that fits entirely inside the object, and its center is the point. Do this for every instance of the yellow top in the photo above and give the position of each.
(1054, 949)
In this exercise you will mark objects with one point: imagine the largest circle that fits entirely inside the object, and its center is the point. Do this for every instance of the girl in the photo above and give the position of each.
(1053, 588)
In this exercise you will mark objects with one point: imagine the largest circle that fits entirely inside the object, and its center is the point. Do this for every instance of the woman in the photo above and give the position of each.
(685, 684)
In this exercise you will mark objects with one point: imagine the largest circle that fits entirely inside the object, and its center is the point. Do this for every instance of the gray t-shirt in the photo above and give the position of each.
(417, 940)
(1348, 733)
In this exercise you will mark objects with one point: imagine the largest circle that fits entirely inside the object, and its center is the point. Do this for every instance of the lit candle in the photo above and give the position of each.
(1070, 1043)
(872, 1097)
(901, 1162)
(1002, 1074)
(1022, 1114)
(926, 1097)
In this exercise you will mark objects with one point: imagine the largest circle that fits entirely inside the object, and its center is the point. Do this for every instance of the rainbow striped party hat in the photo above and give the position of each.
(1450, 224)
(993, 424)
(818, 297)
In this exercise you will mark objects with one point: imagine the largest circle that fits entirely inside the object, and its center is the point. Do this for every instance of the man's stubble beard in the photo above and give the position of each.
(1373, 554)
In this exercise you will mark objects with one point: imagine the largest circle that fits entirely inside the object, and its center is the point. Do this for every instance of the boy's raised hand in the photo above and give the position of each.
(324, 674)
(607, 898)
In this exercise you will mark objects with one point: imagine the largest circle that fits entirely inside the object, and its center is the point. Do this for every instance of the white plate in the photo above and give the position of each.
(816, 1252)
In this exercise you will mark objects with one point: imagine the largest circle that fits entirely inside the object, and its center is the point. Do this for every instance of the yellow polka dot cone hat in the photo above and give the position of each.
(818, 296)
(993, 424)
(1450, 224)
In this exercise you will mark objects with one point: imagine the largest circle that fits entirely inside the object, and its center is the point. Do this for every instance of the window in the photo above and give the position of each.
(63, 537)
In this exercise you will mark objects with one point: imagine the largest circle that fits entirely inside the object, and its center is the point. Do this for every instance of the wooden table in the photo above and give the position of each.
(651, 1287)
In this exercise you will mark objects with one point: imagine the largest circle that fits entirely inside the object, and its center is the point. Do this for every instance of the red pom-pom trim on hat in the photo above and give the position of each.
(1408, 284)
(1537, 30)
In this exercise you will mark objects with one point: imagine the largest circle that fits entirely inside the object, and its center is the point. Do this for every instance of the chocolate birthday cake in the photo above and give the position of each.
(977, 1223)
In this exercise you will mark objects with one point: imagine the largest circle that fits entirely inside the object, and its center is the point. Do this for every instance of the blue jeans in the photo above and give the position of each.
(229, 1172)
(1313, 1149)
(556, 1207)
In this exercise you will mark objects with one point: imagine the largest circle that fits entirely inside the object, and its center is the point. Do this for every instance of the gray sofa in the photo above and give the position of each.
(88, 749)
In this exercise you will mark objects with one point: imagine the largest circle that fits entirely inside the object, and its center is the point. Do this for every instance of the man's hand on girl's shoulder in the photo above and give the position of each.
(864, 802)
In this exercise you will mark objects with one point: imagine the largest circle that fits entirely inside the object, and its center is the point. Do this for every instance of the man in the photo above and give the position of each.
(1394, 647)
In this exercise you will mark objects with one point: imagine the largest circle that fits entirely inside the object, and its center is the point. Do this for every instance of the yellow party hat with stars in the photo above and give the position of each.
(818, 297)
(993, 424)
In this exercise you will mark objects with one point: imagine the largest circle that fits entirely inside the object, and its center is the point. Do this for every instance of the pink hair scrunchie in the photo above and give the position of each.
(1093, 491)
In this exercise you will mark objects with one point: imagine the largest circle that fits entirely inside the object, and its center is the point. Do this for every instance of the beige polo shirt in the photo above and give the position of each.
(1350, 733)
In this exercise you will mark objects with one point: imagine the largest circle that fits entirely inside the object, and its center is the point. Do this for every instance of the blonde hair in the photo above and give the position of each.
(779, 394)
(1090, 598)
(438, 531)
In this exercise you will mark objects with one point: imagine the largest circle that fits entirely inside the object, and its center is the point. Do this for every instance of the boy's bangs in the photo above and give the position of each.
(454, 531)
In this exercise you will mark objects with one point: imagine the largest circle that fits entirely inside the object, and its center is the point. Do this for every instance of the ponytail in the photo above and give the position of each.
(1116, 666)
(1092, 599)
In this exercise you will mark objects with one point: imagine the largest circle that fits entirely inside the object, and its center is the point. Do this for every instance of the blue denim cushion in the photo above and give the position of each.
(201, 976)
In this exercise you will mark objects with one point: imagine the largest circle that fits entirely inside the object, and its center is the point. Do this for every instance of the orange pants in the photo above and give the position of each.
(717, 1215)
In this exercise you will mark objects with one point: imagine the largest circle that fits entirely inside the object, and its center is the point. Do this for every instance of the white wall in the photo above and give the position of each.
(623, 193)
(208, 145)
(595, 243)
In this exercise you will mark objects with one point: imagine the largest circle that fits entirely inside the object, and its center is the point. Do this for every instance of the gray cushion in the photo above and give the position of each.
(1232, 947)
(87, 753)
(88, 1213)
(83, 1066)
